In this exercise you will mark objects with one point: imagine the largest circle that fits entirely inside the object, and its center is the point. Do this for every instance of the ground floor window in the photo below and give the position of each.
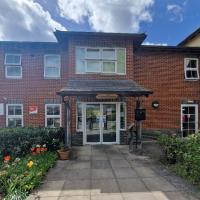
(52, 115)
(14, 115)
(189, 119)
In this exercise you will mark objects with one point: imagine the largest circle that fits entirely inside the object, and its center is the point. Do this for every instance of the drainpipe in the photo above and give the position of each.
(67, 123)
(139, 125)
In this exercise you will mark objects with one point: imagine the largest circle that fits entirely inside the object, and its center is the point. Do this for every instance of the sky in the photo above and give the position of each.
(166, 22)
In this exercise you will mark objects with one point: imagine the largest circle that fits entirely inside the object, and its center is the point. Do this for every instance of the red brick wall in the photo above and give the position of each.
(33, 89)
(163, 72)
(100, 42)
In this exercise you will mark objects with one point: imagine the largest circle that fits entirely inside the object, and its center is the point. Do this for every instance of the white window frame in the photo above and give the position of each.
(79, 130)
(125, 112)
(7, 65)
(45, 66)
(53, 116)
(101, 60)
(196, 116)
(191, 69)
(14, 116)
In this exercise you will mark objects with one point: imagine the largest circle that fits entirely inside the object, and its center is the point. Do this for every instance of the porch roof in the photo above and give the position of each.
(94, 87)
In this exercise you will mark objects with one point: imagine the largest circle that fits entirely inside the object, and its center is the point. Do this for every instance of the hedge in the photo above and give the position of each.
(184, 153)
(18, 141)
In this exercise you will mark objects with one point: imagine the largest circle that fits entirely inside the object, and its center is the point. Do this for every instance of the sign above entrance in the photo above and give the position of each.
(106, 96)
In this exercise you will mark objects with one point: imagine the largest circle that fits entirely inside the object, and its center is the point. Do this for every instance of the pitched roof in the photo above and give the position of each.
(190, 37)
(94, 87)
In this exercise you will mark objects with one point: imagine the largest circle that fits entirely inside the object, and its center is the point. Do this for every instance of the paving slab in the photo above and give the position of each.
(178, 196)
(84, 157)
(158, 184)
(79, 165)
(50, 189)
(119, 163)
(138, 196)
(107, 197)
(132, 185)
(115, 156)
(145, 172)
(100, 186)
(77, 174)
(125, 173)
(100, 164)
(102, 174)
(74, 198)
(100, 157)
(76, 188)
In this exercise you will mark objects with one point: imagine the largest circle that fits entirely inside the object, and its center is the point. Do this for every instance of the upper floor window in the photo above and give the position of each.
(13, 68)
(14, 115)
(100, 60)
(191, 66)
(52, 115)
(52, 66)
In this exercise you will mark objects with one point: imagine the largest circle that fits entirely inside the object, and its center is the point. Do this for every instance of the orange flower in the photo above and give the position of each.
(7, 158)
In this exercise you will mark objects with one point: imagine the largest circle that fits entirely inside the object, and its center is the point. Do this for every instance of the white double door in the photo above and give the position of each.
(101, 123)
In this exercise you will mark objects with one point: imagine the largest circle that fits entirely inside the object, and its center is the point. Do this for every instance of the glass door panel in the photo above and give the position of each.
(109, 123)
(189, 119)
(93, 123)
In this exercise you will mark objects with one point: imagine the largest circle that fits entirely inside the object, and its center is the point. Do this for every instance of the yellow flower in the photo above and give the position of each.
(30, 164)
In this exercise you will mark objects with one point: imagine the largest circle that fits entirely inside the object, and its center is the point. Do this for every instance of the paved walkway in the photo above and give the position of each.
(111, 173)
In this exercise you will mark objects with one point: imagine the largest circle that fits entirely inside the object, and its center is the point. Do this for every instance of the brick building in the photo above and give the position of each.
(100, 76)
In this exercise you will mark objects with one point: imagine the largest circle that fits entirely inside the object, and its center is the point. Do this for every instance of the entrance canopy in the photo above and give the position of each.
(95, 87)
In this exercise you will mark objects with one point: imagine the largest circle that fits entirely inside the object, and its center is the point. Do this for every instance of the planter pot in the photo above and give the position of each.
(64, 155)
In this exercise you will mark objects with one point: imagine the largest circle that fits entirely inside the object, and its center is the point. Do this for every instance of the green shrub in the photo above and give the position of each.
(18, 141)
(186, 151)
(18, 178)
(170, 145)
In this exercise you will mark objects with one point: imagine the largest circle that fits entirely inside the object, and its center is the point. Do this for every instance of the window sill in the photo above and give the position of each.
(14, 78)
(196, 79)
(100, 73)
(50, 78)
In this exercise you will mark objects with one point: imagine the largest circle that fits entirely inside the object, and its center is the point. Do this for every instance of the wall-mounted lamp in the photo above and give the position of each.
(155, 104)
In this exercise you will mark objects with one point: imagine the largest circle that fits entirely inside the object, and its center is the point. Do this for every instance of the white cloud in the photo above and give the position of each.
(26, 20)
(176, 11)
(108, 15)
(154, 44)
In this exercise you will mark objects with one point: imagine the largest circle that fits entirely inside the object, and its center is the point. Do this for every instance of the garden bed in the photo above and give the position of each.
(26, 154)
(20, 177)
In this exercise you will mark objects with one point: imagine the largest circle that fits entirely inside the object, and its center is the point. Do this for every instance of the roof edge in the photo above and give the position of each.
(139, 37)
(190, 37)
(169, 48)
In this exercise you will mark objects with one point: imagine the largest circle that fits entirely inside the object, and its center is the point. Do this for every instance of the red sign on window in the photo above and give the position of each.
(33, 110)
